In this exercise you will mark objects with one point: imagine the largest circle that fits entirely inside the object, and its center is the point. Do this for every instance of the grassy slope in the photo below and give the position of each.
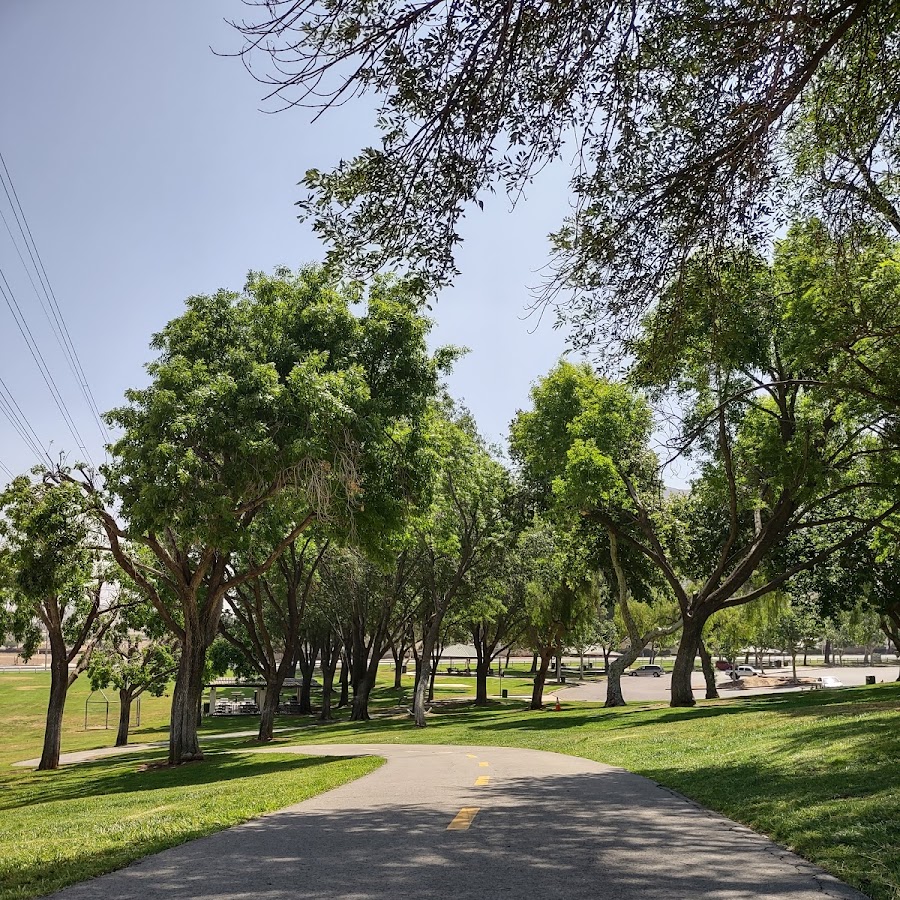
(60, 827)
(817, 772)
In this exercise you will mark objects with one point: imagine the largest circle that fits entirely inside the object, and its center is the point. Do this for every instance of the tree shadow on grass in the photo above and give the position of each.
(123, 774)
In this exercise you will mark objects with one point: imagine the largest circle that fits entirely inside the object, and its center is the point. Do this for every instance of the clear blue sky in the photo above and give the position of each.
(148, 172)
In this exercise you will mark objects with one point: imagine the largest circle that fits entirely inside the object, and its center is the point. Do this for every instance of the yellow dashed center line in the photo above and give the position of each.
(463, 819)
(483, 765)
(482, 780)
(471, 756)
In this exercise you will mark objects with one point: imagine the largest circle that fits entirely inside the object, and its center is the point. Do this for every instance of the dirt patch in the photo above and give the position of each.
(765, 681)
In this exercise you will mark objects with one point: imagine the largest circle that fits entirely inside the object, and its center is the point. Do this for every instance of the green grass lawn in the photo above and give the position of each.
(60, 827)
(816, 771)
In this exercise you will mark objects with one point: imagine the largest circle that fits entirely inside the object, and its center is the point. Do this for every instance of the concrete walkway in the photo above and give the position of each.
(476, 823)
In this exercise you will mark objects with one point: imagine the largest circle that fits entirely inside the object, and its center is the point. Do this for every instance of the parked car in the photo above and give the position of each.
(743, 672)
(828, 681)
(655, 671)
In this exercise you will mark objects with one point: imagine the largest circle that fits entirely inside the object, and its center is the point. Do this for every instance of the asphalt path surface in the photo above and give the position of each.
(475, 823)
(643, 687)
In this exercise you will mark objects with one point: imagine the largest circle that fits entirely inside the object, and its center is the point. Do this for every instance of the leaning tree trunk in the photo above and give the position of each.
(429, 642)
(691, 634)
(537, 692)
(125, 700)
(709, 672)
(59, 686)
(534, 664)
(614, 672)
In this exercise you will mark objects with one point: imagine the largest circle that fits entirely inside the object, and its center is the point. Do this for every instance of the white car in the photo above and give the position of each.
(828, 681)
(655, 671)
(743, 672)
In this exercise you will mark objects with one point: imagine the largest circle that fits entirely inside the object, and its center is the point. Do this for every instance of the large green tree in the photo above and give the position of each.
(687, 123)
(53, 582)
(458, 532)
(584, 449)
(281, 391)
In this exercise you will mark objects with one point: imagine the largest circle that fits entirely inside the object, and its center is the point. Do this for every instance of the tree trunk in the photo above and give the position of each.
(682, 691)
(307, 669)
(398, 671)
(481, 677)
(794, 665)
(534, 664)
(431, 676)
(360, 711)
(426, 679)
(59, 686)
(614, 672)
(537, 693)
(125, 699)
(269, 708)
(828, 651)
(709, 672)
(329, 664)
(344, 681)
(184, 743)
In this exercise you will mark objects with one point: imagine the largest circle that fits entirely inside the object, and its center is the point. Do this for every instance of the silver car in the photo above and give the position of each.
(655, 671)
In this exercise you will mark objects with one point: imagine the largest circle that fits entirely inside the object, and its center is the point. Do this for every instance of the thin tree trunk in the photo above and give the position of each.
(682, 691)
(534, 664)
(59, 687)
(330, 658)
(344, 681)
(709, 672)
(794, 665)
(398, 667)
(125, 699)
(426, 681)
(537, 693)
(307, 668)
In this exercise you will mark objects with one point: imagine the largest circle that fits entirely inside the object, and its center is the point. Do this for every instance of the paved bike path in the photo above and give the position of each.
(476, 823)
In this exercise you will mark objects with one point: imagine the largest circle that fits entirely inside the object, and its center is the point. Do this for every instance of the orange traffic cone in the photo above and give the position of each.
(557, 708)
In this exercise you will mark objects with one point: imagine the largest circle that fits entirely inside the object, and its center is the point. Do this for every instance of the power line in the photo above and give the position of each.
(54, 316)
(20, 423)
(6, 469)
(41, 363)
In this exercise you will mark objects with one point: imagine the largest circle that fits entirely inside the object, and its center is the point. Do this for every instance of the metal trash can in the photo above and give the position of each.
(870, 679)
(504, 693)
